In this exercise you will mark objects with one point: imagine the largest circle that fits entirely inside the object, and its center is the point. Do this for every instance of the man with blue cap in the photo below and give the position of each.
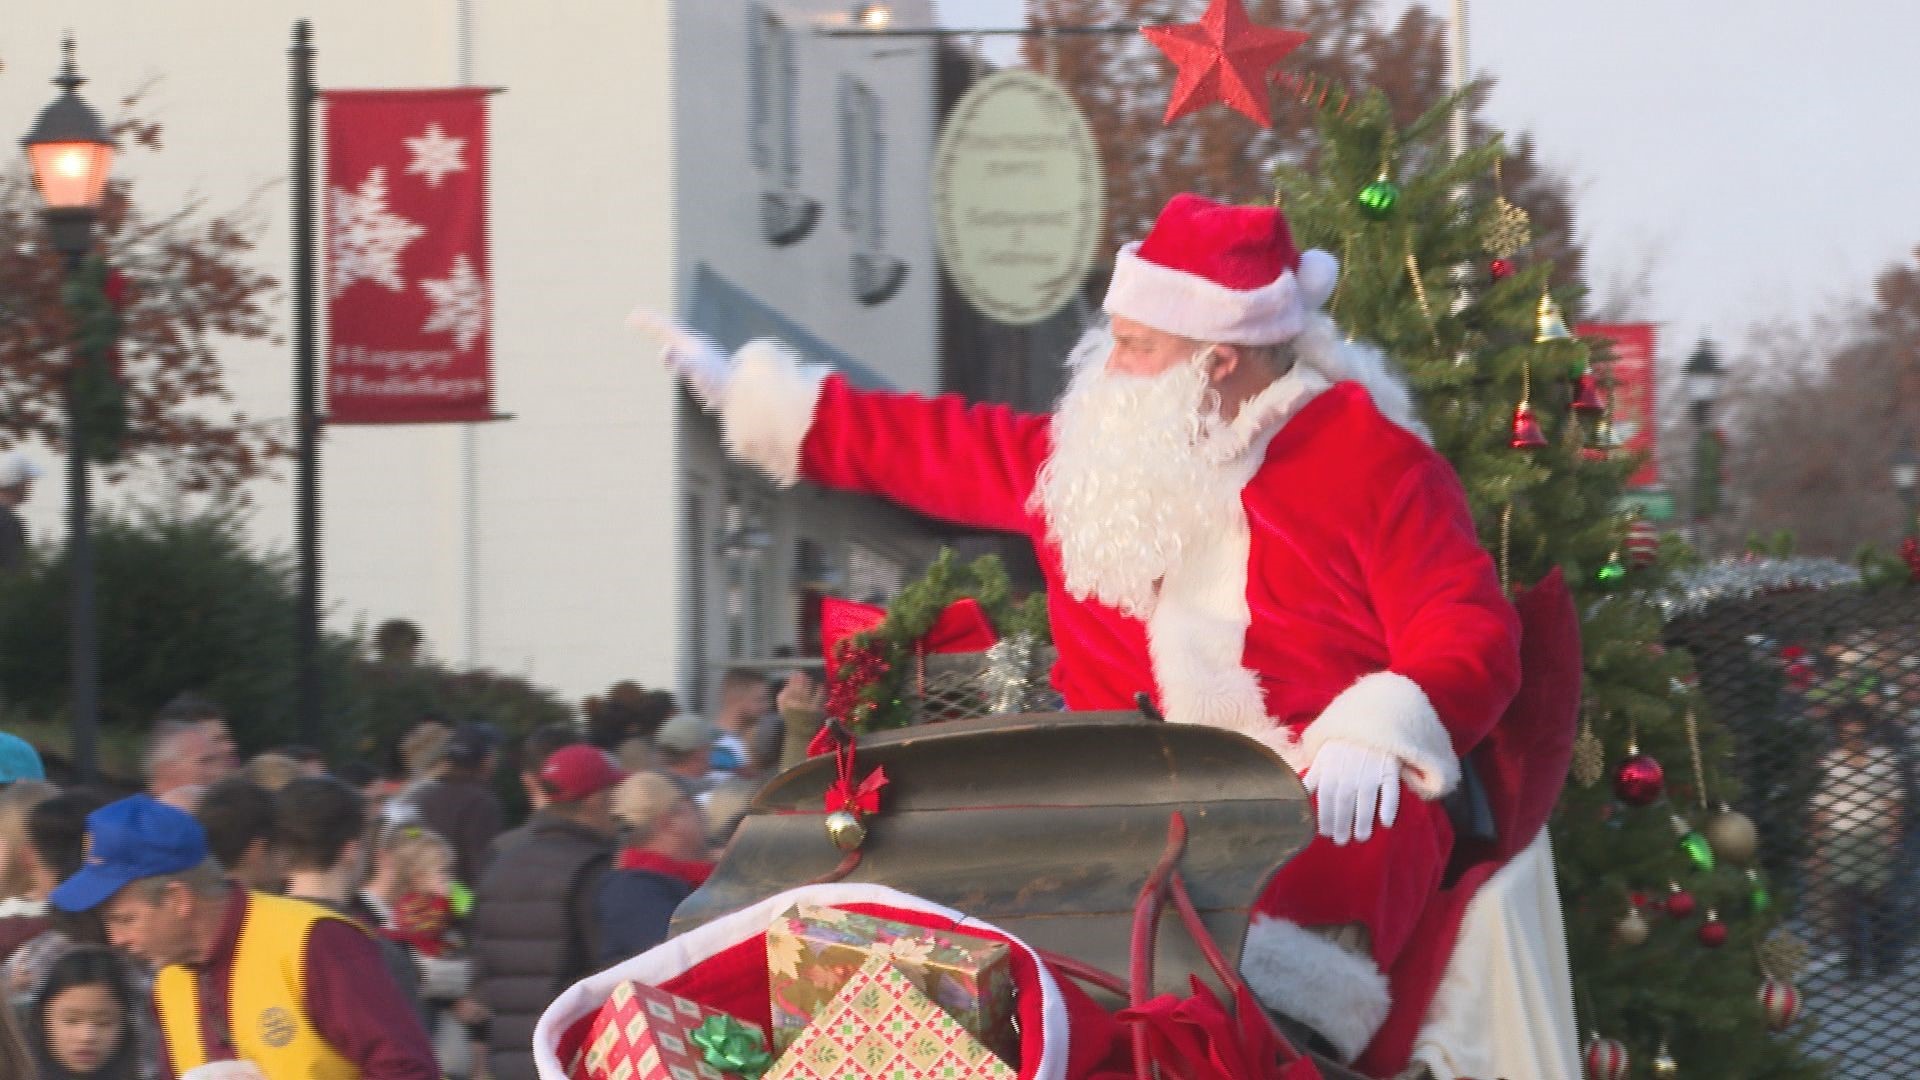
(19, 760)
(249, 984)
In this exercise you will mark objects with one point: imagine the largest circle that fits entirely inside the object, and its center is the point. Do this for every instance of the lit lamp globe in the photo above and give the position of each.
(70, 153)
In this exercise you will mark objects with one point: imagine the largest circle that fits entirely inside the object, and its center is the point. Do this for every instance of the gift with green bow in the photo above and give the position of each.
(643, 1033)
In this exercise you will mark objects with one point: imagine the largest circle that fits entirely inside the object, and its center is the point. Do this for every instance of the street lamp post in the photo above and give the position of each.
(71, 152)
(1906, 480)
(1704, 375)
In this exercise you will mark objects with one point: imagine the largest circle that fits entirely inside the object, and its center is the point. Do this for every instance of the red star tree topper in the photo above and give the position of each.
(1223, 57)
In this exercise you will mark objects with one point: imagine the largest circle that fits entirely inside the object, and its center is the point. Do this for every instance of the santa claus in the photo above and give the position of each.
(1237, 513)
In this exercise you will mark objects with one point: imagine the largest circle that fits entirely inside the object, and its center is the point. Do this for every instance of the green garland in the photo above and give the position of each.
(885, 654)
(101, 399)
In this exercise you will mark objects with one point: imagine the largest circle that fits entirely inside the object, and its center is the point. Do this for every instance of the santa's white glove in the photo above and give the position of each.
(692, 355)
(1353, 785)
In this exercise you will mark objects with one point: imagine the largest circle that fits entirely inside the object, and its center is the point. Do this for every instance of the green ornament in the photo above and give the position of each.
(1378, 199)
(1698, 850)
(1613, 573)
(460, 900)
(1760, 898)
(732, 1047)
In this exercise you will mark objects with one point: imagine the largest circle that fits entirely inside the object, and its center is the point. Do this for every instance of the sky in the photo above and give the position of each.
(1752, 161)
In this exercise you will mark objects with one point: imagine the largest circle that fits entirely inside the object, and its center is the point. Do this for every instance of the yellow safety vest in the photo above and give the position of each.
(266, 1014)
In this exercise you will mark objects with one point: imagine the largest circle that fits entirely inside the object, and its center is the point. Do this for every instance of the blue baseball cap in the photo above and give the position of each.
(137, 837)
(19, 760)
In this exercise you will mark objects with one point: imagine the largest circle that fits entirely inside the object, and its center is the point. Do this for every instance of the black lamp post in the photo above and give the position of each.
(1704, 375)
(1906, 480)
(71, 153)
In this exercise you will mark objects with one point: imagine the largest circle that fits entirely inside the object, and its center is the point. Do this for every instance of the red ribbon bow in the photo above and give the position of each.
(865, 799)
(1196, 1038)
(962, 628)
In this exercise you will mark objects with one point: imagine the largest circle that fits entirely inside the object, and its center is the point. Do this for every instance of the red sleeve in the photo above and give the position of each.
(973, 465)
(1449, 627)
(356, 1006)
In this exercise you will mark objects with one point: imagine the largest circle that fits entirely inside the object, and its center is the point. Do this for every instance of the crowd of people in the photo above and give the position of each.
(389, 923)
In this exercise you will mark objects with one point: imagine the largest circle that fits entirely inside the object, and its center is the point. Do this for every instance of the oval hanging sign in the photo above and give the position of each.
(1018, 196)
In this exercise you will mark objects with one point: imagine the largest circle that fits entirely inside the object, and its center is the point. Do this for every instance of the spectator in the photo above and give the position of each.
(422, 886)
(15, 1059)
(660, 864)
(319, 823)
(423, 755)
(534, 926)
(237, 815)
(271, 771)
(17, 475)
(727, 803)
(80, 1024)
(744, 702)
(1858, 817)
(19, 760)
(23, 897)
(210, 717)
(183, 760)
(226, 956)
(459, 804)
(538, 745)
(683, 749)
(312, 762)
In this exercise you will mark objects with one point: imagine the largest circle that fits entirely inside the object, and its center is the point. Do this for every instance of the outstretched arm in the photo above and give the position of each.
(973, 465)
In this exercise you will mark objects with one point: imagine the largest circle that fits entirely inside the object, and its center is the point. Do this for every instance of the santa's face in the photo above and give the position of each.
(1130, 484)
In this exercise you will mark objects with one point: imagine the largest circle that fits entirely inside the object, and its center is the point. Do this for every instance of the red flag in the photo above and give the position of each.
(409, 284)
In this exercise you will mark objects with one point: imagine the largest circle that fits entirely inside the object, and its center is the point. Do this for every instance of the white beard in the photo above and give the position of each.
(1135, 478)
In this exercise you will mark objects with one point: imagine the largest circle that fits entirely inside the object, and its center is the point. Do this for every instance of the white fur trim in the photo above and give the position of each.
(1186, 304)
(768, 407)
(681, 954)
(1305, 977)
(1389, 712)
(1320, 346)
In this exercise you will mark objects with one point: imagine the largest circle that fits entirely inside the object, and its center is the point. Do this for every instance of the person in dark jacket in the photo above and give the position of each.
(534, 749)
(534, 927)
(460, 805)
(660, 866)
(17, 475)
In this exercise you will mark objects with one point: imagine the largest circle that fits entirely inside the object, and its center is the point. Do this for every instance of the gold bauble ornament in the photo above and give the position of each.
(1733, 835)
(846, 830)
(1632, 929)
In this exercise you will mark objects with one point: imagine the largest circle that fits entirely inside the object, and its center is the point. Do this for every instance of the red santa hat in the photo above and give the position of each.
(1213, 272)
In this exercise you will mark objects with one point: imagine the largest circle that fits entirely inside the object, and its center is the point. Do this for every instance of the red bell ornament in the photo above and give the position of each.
(1526, 429)
(1640, 780)
(1586, 396)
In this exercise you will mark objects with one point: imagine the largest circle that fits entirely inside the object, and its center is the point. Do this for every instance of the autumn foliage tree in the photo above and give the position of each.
(182, 287)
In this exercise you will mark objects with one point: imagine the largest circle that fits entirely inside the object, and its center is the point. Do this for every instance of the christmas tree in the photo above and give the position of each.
(1667, 924)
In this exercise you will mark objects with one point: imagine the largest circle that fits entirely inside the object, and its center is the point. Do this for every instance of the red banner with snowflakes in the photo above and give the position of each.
(409, 314)
(1628, 387)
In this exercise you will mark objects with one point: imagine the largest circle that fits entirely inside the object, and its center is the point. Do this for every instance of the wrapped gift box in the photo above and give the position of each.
(646, 1034)
(813, 951)
(881, 1027)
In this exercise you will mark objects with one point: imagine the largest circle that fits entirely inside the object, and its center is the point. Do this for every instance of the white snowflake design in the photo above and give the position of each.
(459, 304)
(435, 154)
(367, 238)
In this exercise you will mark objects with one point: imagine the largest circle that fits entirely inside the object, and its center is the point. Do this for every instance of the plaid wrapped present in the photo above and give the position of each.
(646, 1034)
(881, 1027)
(813, 951)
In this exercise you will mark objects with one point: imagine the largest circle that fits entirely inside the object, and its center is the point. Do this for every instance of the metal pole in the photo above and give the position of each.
(469, 433)
(1457, 65)
(85, 644)
(306, 413)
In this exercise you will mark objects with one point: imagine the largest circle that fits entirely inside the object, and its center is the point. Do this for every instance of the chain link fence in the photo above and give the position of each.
(1821, 690)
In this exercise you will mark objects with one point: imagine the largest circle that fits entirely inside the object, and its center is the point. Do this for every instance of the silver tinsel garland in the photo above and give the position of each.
(1689, 592)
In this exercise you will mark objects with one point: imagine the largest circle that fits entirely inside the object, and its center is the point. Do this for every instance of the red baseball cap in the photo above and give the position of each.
(574, 772)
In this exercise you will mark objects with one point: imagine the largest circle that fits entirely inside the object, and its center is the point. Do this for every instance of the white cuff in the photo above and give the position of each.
(1389, 712)
(1305, 977)
(769, 408)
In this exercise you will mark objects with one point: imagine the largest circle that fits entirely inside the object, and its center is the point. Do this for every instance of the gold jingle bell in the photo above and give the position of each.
(846, 830)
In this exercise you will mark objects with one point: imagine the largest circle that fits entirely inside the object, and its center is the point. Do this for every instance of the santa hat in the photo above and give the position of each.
(1212, 272)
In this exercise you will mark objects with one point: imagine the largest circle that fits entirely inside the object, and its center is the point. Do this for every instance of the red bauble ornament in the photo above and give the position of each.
(1586, 396)
(1605, 1059)
(1639, 780)
(1223, 57)
(1501, 269)
(1680, 902)
(1526, 429)
(1713, 932)
(1910, 551)
(1779, 1003)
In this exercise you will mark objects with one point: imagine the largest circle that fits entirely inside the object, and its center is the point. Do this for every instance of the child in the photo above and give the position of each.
(422, 866)
(79, 1023)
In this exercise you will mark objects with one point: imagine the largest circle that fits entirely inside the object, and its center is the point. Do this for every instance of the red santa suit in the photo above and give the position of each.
(1344, 597)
